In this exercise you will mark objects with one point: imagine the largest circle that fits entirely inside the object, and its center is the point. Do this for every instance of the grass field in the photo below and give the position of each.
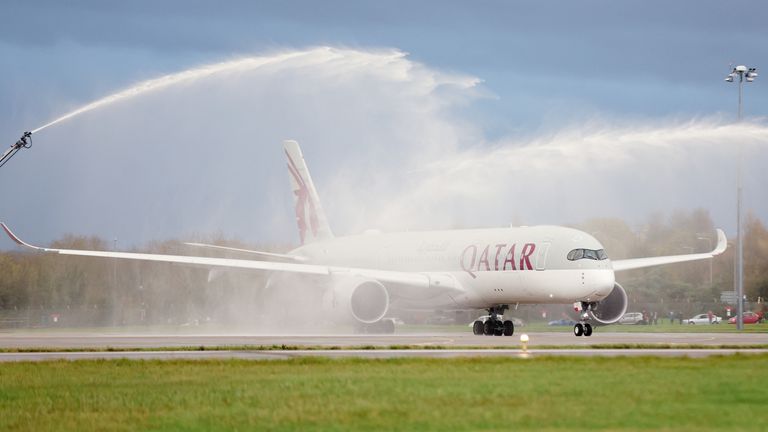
(714, 393)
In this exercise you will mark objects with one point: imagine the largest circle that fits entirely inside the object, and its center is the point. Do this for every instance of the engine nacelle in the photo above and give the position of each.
(612, 308)
(363, 300)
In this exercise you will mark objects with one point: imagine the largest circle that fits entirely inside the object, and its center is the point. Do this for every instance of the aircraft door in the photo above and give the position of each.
(541, 257)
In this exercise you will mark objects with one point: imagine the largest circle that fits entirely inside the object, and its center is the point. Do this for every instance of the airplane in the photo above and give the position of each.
(358, 278)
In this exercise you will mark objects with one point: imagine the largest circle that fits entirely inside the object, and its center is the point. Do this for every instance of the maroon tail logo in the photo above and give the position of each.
(303, 203)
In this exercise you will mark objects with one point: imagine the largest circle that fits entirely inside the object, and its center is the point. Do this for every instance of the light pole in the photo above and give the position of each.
(114, 285)
(749, 74)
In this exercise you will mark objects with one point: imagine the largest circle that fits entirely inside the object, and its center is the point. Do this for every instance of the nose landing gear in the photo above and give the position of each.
(583, 328)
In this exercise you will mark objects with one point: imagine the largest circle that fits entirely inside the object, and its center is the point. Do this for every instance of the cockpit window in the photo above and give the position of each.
(596, 255)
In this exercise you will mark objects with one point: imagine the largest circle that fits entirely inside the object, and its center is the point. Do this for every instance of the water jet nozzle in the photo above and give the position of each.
(24, 142)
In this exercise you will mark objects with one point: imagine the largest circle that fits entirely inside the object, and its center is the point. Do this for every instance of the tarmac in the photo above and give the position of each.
(65, 345)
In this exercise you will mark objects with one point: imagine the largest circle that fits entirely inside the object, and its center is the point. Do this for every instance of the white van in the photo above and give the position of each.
(632, 318)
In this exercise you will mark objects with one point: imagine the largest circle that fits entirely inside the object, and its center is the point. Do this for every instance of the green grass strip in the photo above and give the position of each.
(319, 394)
(374, 347)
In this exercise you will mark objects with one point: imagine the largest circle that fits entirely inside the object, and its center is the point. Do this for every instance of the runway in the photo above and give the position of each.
(442, 344)
(71, 340)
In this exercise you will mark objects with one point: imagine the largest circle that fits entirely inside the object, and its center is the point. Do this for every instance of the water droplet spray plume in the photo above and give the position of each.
(144, 87)
(173, 79)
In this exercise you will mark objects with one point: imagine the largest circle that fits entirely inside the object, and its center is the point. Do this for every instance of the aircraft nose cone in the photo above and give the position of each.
(604, 281)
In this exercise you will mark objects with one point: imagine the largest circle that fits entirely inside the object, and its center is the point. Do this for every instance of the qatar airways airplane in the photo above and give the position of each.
(357, 279)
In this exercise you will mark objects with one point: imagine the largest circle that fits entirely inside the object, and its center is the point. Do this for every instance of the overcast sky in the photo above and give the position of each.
(406, 109)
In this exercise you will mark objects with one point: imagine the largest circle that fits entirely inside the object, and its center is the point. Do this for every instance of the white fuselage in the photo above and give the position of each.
(485, 266)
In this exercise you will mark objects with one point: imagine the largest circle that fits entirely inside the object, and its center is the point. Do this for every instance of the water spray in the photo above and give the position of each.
(155, 84)
(24, 142)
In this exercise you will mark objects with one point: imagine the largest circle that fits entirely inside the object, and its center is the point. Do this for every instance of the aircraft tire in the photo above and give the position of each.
(578, 329)
(488, 328)
(587, 329)
(509, 328)
(477, 328)
(388, 326)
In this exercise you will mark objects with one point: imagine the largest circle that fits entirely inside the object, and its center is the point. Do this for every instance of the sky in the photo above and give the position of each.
(412, 115)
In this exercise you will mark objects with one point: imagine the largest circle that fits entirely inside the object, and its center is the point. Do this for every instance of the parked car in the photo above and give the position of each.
(562, 322)
(483, 318)
(749, 318)
(632, 318)
(704, 319)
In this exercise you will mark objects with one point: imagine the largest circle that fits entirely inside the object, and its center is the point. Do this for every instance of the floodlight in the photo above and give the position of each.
(748, 74)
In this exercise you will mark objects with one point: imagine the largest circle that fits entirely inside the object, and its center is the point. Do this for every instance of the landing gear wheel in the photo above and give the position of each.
(587, 329)
(509, 328)
(477, 328)
(488, 328)
(388, 326)
(498, 328)
(578, 329)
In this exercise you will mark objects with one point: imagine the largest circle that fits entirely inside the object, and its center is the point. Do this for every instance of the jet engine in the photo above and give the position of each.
(612, 308)
(363, 300)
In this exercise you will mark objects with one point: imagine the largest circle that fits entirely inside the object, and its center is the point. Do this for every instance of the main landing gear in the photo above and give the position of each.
(494, 325)
(584, 328)
(384, 326)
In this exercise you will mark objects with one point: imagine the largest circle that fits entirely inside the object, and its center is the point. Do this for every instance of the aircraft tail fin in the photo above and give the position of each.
(310, 217)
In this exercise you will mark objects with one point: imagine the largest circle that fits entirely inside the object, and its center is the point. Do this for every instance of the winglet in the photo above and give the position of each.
(18, 240)
(722, 243)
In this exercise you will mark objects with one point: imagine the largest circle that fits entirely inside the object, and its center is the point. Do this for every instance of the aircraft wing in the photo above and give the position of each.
(637, 263)
(404, 278)
(257, 253)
